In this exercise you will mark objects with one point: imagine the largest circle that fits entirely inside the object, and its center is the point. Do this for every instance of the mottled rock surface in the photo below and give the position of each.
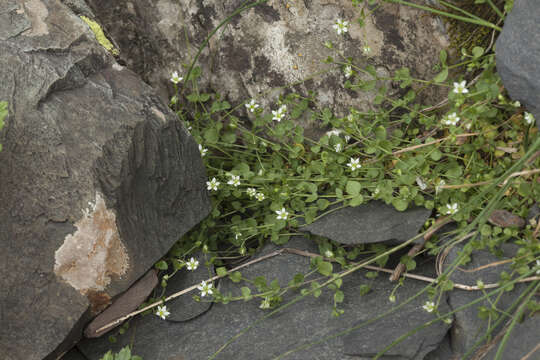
(370, 223)
(304, 322)
(97, 178)
(272, 45)
(518, 55)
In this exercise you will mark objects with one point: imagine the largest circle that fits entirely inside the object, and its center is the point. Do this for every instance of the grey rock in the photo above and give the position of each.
(272, 45)
(523, 341)
(370, 223)
(443, 352)
(185, 307)
(124, 304)
(306, 321)
(468, 328)
(518, 55)
(97, 179)
(74, 354)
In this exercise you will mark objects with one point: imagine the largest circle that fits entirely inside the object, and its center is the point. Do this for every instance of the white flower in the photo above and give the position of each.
(459, 88)
(252, 105)
(516, 104)
(175, 78)
(529, 118)
(451, 119)
(259, 196)
(341, 26)
(348, 71)
(265, 304)
(429, 306)
(451, 209)
(162, 312)
(354, 164)
(392, 298)
(237, 235)
(202, 150)
(251, 192)
(376, 191)
(334, 132)
(328, 254)
(192, 264)
(234, 181)
(538, 266)
(421, 184)
(282, 214)
(338, 147)
(366, 49)
(347, 138)
(212, 184)
(205, 288)
(439, 186)
(279, 113)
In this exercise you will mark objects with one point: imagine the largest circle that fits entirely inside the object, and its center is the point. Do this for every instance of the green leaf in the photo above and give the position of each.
(353, 187)
(322, 204)
(3, 112)
(358, 200)
(436, 155)
(204, 97)
(400, 204)
(246, 293)
(442, 57)
(316, 287)
(364, 289)
(380, 133)
(221, 271)
(192, 97)
(325, 268)
(161, 265)
(440, 77)
(124, 354)
(477, 51)
(211, 135)
(339, 296)
(235, 276)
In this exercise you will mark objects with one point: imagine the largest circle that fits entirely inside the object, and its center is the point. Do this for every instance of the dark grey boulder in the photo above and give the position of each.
(468, 328)
(518, 55)
(74, 354)
(185, 307)
(98, 179)
(306, 321)
(370, 223)
(523, 341)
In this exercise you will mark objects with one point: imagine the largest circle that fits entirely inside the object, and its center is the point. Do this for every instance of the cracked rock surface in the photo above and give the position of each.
(97, 179)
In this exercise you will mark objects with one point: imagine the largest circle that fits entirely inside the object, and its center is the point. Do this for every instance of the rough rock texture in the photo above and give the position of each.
(304, 322)
(97, 178)
(124, 304)
(74, 354)
(269, 46)
(370, 223)
(518, 55)
(522, 342)
(468, 327)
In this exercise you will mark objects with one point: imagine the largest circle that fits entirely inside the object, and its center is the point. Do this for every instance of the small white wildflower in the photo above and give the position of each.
(459, 88)
(279, 113)
(451, 209)
(237, 235)
(338, 147)
(251, 192)
(252, 105)
(259, 196)
(328, 254)
(429, 306)
(421, 184)
(516, 104)
(162, 312)
(451, 119)
(354, 164)
(192, 264)
(175, 78)
(348, 71)
(206, 289)
(202, 150)
(347, 138)
(392, 298)
(282, 214)
(366, 49)
(439, 186)
(529, 118)
(212, 184)
(538, 266)
(234, 181)
(265, 304)
(376, 191)
(334, 132)
(350, 117)
(341, 26)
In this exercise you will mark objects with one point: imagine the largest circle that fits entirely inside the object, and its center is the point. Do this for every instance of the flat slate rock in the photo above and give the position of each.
(185, 307)
(523, 341)
(370, 223)
(518, 55)
(468, 328)
(304, 322)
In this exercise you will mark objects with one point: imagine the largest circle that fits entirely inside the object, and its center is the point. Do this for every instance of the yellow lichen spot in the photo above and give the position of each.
(100, 36)
(295, 67)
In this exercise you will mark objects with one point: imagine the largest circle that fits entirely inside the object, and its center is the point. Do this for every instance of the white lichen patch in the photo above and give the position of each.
(88, 258)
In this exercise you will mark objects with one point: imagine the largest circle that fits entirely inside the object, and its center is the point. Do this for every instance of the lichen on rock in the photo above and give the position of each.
(100, 36)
